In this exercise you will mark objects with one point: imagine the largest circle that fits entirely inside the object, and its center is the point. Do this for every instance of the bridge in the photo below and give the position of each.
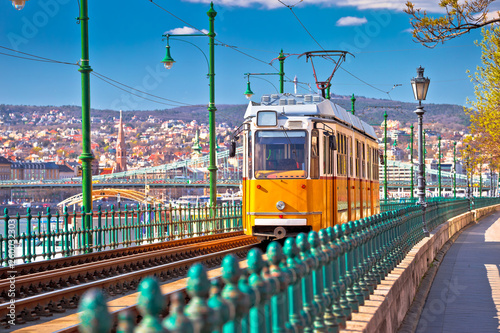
(191, 173)
(359, 276)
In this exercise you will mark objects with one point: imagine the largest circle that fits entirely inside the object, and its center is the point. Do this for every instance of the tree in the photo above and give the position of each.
(485, 111)
(461, 17)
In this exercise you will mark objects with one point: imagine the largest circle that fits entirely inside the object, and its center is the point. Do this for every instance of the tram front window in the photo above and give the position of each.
(280, 154)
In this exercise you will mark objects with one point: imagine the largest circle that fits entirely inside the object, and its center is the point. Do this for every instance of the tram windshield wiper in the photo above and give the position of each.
(294, 152)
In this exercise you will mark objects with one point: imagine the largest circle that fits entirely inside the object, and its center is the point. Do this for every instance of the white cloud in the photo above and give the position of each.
(492, 15)
(409, 30)
(185, 31)
(397, 5)
(350, 21)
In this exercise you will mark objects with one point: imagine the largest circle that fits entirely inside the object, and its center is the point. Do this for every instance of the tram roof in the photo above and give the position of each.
(308, 105)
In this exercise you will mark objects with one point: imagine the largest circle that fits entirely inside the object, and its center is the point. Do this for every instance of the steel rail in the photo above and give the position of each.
(32, 307)
(46, 265)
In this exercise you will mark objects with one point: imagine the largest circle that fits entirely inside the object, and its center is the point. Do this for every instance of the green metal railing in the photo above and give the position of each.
(312, 284)
(46, 236)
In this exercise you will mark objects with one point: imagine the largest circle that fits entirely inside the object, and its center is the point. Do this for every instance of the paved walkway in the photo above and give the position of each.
(465, 294)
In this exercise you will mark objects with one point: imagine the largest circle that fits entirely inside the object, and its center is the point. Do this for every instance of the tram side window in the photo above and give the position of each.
(357, 160)
(325, 156)
(249, 149)
(369, 166)
(280, 154)
(363, 163)
(314, 154)
(349, 151)
(375, 164)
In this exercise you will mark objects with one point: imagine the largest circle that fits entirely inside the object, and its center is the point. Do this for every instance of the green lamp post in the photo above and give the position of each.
(248, 93)
(353, 101)
(455, 170)
(420, 85)
(385, 156)
(439, 164)
(168, 61)
(86, 157)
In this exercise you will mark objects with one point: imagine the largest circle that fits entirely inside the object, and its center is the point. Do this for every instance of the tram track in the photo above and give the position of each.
(45, 293)
(74, 260)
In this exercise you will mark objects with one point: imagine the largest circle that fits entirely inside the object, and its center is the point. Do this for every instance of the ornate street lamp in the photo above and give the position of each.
(18, 4)
(248, 92)
(281, 57)
(168, 62)
(420, 85)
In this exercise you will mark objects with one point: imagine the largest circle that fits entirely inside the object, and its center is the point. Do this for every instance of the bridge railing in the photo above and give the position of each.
(315, 281)
(29, 237)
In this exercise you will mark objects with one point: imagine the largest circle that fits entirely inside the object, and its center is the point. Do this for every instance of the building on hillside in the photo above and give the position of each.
(34, 170)
(65, 171)
(4, 168)
(121, 149)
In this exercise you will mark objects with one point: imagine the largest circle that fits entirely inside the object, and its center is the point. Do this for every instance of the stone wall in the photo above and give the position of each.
(387, 307)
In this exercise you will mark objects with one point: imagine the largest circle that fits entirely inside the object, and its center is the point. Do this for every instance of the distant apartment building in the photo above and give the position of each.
(34, 170)
(4, 168)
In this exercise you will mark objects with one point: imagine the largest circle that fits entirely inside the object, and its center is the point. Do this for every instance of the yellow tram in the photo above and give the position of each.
(308, 164)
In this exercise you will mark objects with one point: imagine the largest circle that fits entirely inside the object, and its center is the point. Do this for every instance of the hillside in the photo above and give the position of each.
(369, 109)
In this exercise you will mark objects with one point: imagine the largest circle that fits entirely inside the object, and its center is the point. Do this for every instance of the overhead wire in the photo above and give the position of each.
(235, 48)
(118, 87)
(129, 87)
(104, 78)
(42, 59)
(316, 41)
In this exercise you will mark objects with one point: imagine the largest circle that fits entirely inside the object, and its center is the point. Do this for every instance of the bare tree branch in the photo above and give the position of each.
(458, 20)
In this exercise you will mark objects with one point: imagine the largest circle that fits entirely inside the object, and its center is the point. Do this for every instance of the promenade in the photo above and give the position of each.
(465, 294)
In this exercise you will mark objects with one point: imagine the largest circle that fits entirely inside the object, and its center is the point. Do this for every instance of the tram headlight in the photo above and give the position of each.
(280, 205)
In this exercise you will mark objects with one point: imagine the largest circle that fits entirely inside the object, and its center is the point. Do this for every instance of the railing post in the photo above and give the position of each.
(177, 322)
(257, 313)
(318, 288)
(49, 233)
(278, 307)
(297, 317)
(337, 287)
(29, 236)
(99, 229)
(198, 311)
(93, 313)
(252, 296)
(344, 280)
(352, 288)
(220, 307)
(6, 257)
(310, 307)
(66, 232)
(363, 292)
(327, 273)
(150, 304)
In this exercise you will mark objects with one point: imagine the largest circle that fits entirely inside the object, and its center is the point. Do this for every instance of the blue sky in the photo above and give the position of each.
(126, 45)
